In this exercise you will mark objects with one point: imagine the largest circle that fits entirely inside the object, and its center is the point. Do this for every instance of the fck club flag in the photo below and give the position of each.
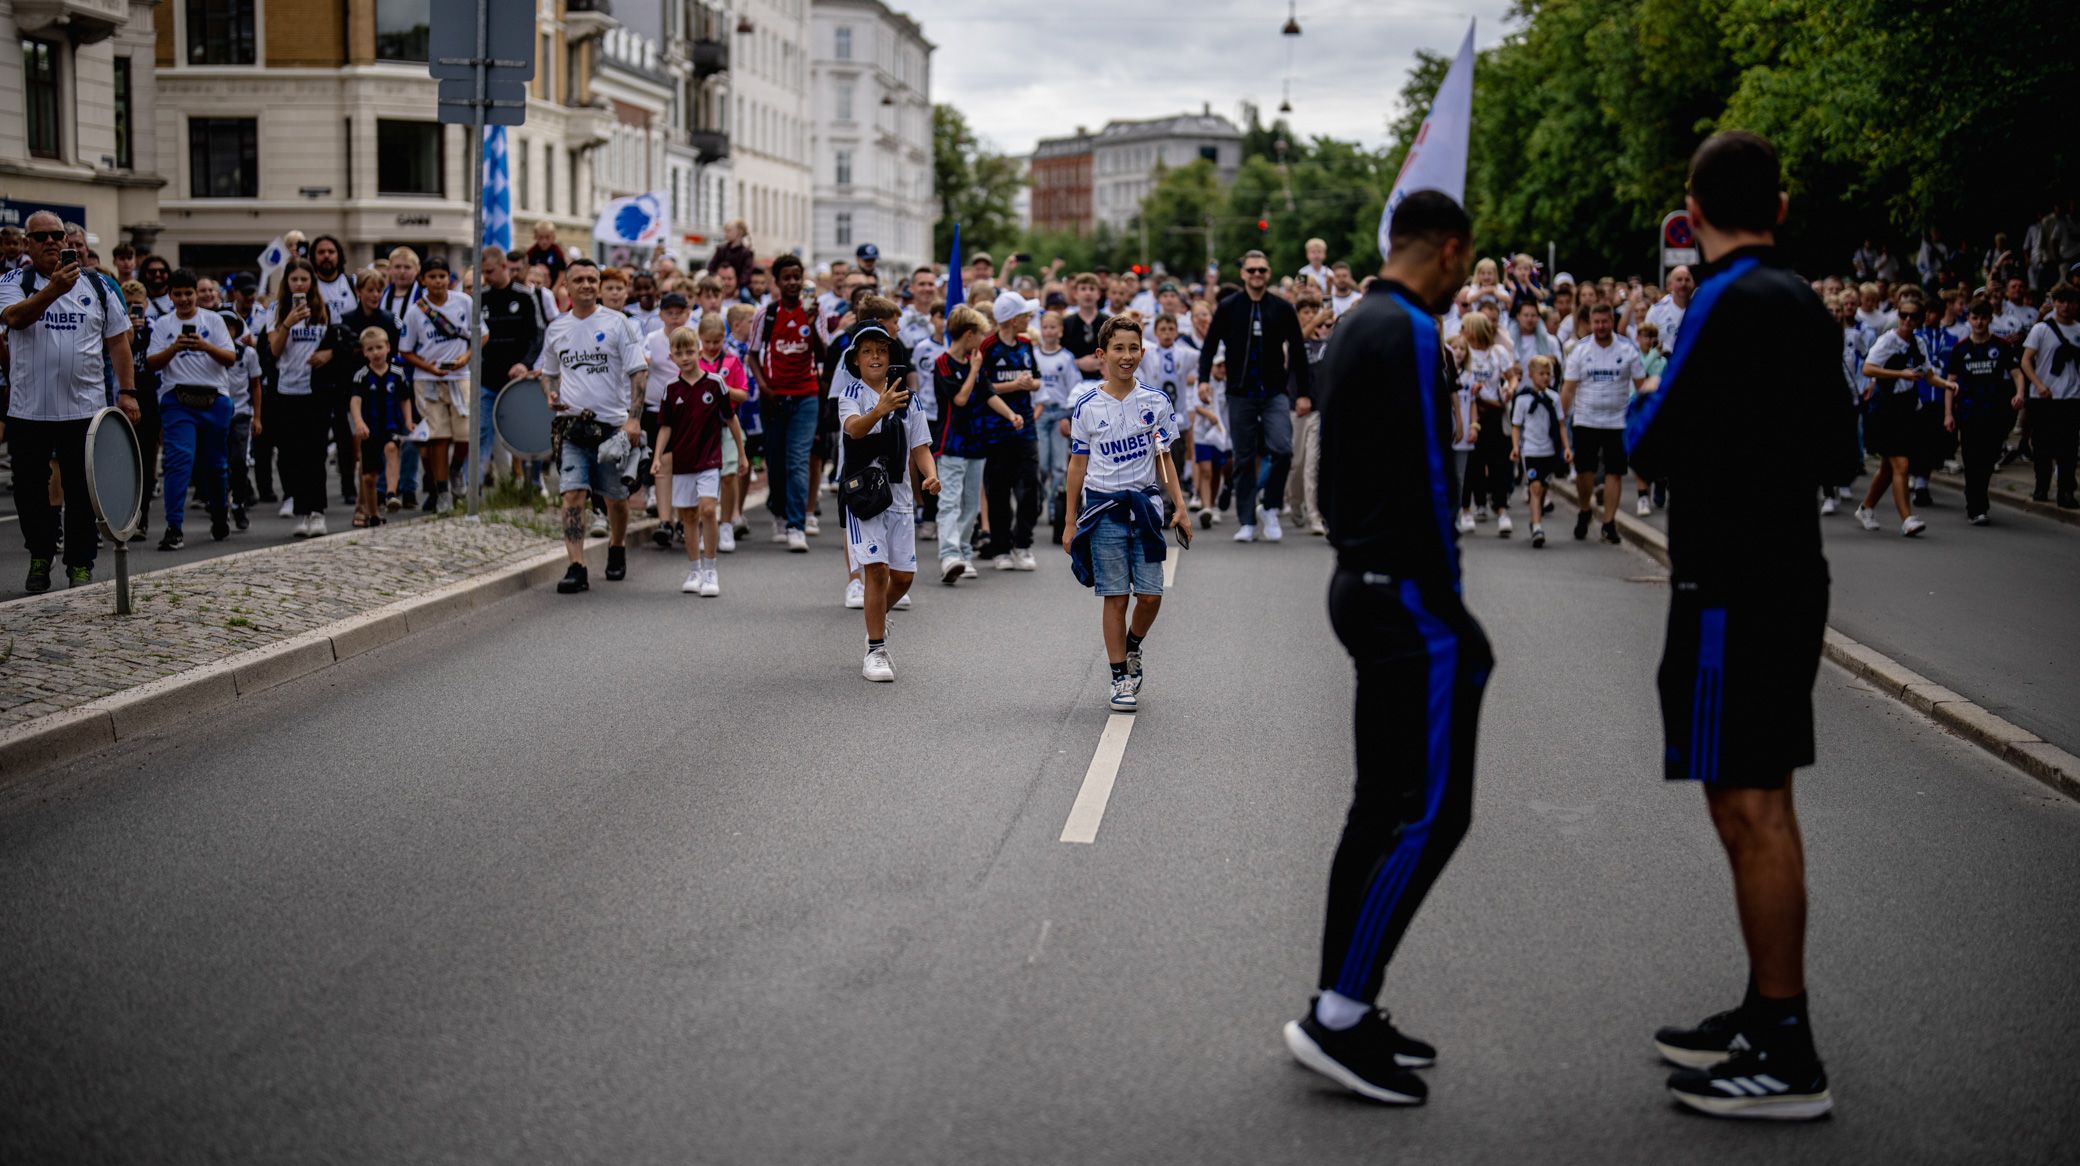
(1437, 159)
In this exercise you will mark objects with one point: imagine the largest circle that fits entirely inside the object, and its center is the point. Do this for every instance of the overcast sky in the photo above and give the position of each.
(1026, 71)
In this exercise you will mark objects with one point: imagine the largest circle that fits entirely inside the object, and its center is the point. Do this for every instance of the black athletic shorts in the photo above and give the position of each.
(372, 448)
(1737, 684)
(1599, 451)
(1547, 470)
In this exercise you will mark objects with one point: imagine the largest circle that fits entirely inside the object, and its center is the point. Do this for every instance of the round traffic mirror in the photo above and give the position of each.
(520, 417)
(115, 474)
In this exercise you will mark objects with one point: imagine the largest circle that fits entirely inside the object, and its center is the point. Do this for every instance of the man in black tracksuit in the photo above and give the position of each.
(1748, 607)
(1261, 335)
(513, 319)
(1390, 500)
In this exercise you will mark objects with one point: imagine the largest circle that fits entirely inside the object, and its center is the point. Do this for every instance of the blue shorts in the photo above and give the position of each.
(1118, 566)
(582, 469)
(1202, 452)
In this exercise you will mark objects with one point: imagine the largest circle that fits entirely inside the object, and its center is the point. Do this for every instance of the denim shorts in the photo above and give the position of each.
(582, 469)
(1118, 566)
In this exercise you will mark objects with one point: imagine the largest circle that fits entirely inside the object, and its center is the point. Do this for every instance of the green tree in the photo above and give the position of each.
(977, 186)
(1175, 215)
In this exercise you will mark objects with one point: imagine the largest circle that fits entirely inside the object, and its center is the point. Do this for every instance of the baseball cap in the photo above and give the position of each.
(432, 262)
(244, 282)
(867, 251)
(673, 300)
(1010, 306)
(1168, 286)
(1563, 279)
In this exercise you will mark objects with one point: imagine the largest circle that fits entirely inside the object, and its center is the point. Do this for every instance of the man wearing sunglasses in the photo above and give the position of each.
(60, 336)
(1261, 336)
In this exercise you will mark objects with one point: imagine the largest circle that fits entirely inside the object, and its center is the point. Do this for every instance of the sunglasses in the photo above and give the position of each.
(1256, 271)
(46, 236)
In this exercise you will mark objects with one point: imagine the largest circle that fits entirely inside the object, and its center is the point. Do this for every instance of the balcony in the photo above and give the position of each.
(711, 145)
(585, 19)
(87, 21)
(710, 57)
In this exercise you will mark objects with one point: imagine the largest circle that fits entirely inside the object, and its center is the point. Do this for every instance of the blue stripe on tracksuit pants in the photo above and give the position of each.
(1422, 665)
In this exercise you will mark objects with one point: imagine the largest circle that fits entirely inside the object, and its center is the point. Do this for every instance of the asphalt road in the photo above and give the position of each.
(641, 877)
(1987, 611)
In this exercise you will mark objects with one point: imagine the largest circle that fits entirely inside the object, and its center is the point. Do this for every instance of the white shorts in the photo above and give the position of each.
(889, 538)
(689, 489)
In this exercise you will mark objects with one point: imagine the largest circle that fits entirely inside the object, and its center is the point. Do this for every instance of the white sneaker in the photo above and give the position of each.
(726, 539)
(1867, 517)
(877, 668)
(951, 571)
(928, 532)
(288, 509)
(599, 526)
(317, 527)
(811, 526)
(779, 532)
(1912, 526)
(694, 576)
(1318, 528)
(1480, 514)
(1503, 525)
(1217, 516)
(1829, 505)
(797, 542)
(1272, 532)
(710, 585)
(1466, 522)
(1004, 563)
(1645, 508)
(968, 570)
(1246, 533)
(902, 604)
(1023, 560)
(1125, 698)
(1977, 520)
(855, 594)
(303, 528)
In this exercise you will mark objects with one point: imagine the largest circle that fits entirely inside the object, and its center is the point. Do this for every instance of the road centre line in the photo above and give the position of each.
(1089, 809)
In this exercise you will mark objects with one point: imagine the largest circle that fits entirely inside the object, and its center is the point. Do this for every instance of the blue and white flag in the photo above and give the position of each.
(954, 290)
(641, 220)
(1437, 158)
(498, 191)
(271, 262)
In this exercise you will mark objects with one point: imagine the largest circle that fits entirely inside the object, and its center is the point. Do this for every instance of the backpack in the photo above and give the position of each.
(1540, 400)
(2066, 352)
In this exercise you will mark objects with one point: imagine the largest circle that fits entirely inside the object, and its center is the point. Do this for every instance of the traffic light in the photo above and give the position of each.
(1140, 269)
(1263, 224)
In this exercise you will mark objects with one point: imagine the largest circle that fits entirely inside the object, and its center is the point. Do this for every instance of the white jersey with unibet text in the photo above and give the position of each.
(1604, 376)
(438, 333)
(57, 361)
(594, 358)
(1123, 437)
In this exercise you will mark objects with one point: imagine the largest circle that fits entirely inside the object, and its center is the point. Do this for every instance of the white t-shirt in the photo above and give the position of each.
(1340, 302)
(1888, 346)
(238, 379)
(1464, 396)
(2065, 386)
(1669, 319)
(438, 333)
(923, 355)
(293, 366)
(1059, 377)
(914, 328)
(1123, 438)
(398, 303)
(58, 360)
(1538, 432)
(1170, 371)
(339, 295)
(1483, 372)
(657, 355)
(594, 356)
(1320, 274)
(646, 321)
(1604, 378)
(2013, 320)
(856, 398)
(1213, 430)
(191, 368)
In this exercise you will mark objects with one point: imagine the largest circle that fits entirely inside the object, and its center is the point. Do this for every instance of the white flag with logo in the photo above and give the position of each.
(637, 221)
(271, 262)
(1437, 158)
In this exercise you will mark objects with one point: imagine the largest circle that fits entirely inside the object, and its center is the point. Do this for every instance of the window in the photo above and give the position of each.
(844, 101)
(40, 79)
(545, 68)
(844, 46)
(548, 178)
(126, 114)
(401, 29)
(408, 157)
(220, 32)
(844, 229)
(521, 189)
(223, 157)
(570, 171)
(844, 168)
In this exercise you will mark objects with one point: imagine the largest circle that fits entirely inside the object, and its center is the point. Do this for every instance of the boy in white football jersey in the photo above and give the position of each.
(879, 430)
(1120, 473)
(1059, 379)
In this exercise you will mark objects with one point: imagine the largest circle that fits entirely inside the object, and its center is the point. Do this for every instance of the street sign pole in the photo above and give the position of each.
(476, 263)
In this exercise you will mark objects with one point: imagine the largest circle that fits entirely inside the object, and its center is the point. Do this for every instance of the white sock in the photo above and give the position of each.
(1337, 1013)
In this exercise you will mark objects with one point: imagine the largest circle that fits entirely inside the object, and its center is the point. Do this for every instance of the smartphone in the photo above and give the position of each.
(1023, 257)
(137, 311)
(1184, 536)
(296, 299)
(187, 329)
(67, 257)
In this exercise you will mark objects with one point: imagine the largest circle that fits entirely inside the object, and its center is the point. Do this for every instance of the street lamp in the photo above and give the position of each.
(1292, 27)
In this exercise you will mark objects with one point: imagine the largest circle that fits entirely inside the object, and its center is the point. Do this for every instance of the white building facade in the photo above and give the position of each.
(73, 85)
(1128, 156)
(770, 125)
(873, 134)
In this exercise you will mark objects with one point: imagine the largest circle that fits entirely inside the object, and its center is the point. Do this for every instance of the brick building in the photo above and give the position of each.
(1061, 183)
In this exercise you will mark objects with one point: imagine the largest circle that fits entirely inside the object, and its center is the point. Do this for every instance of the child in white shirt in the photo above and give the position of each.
(1539, 440)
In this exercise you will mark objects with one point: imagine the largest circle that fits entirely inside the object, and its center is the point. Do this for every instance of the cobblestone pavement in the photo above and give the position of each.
(67, 647)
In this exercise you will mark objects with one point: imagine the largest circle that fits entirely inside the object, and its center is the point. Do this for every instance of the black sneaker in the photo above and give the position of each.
(139, 535)
(239, 519)
(1581, 526)
(1759, 1083)
(39, 580)
(219, 526)
(408, 499)
(1716, 1038)
(1610, 533)
(1227, 496)
(172, 540)
(2040, 495)
(1205, 522)
(573, 581)
(617, 564)
(661, 536)
(432, 503)
(1367, 1058)
(1923, 498)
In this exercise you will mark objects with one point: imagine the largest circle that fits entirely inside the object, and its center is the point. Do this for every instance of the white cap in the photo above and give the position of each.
(1010, 306)
(1563, 277)
(1033, 307)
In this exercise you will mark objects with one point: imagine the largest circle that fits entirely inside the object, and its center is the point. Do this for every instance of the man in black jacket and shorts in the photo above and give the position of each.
(1748, 609)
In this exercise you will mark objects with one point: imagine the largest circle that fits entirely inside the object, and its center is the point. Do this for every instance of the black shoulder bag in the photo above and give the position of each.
(867, 489)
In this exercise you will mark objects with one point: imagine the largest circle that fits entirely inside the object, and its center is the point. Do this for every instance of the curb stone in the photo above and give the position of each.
(2042, 760)
(2015, 499)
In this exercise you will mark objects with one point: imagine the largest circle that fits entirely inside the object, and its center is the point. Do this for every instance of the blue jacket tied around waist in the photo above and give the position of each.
(1144, 514)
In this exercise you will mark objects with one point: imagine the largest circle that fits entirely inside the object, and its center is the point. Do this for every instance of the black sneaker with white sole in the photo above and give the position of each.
(1581, 525)
(1779, 1085)
(1716, 1038)
(1370, 1058)
(573, 580)
(617, 564)
(1610, 533)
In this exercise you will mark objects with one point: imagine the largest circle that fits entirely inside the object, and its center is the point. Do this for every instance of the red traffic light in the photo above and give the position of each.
(1263, 224)
(1140, 270)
